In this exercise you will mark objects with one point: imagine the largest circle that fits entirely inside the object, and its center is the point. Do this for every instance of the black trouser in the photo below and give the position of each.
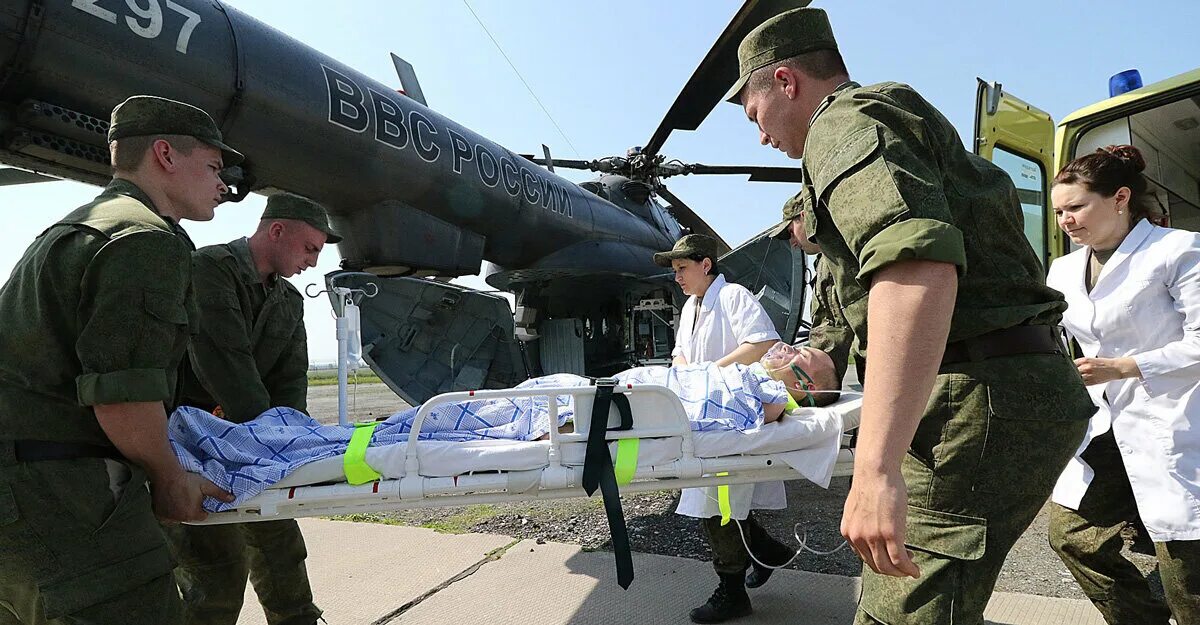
(729, 552)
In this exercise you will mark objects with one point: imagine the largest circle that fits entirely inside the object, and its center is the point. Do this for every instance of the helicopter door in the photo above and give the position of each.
(1020, 139)
(766, 266)
(424, 337)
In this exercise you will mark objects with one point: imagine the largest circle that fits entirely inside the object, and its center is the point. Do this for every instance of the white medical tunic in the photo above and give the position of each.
(1145, 305)
(729, 315)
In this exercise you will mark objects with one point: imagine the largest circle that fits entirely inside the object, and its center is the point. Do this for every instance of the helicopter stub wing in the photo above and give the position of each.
(583, 259)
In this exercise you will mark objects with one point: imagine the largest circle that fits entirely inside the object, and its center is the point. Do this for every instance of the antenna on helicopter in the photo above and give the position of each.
(409, 85)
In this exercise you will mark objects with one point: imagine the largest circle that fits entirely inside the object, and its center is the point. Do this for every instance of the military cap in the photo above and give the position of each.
(791, 210)
(143, 115)
(782, 37)
(290, 206)
(687, 247)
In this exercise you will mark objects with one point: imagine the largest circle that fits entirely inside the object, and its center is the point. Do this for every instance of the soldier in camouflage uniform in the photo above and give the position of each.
(830, 332)
(97, 316)
(251, 354)
(971, 409)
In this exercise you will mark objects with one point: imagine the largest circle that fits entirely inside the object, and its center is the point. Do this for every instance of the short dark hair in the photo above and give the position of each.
(818, 64)
(712, 271)
(1106, 170)
(127, 153)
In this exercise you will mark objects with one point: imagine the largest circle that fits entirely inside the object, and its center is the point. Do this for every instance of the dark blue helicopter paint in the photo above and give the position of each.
(401, 129)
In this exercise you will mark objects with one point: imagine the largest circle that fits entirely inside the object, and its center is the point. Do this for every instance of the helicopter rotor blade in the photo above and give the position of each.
(688, 218)
(717, 72)
(558, 162)
(757, 173)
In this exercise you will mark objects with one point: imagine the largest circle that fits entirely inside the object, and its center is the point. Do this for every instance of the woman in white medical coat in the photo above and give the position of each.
(1133, 296)
(722, 322)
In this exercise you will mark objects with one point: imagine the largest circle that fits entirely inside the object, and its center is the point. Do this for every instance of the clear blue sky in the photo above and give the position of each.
(608, 71)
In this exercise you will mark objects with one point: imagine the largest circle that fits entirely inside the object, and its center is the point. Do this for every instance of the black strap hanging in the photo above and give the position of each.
(598, 472)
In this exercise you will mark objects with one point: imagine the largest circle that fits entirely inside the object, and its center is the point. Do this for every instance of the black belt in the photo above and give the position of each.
(1015, 341)
(598, 472)
(35, 451)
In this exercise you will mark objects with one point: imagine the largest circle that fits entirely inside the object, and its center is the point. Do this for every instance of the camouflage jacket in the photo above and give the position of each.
(251, 352)
(97, 311)
(890, 181)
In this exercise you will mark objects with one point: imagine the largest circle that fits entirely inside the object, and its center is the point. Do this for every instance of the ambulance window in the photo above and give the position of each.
(1029, 179)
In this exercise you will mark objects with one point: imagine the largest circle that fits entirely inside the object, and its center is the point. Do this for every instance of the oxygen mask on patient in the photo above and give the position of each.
(780, 361)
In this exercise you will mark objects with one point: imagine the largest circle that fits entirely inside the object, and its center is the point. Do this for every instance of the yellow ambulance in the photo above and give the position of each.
(1162, 120)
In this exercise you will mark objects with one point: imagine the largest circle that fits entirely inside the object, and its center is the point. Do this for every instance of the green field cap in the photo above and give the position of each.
(144, 115)
(290, 206)
(687, 247)
(782, 37)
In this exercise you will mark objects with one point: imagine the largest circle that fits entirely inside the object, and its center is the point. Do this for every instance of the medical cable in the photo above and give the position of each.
(802, 540)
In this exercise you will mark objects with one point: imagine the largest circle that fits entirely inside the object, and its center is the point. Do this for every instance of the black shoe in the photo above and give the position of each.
(758, 576)
(728, 601)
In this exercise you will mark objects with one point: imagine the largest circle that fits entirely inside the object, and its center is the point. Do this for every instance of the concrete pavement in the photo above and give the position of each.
(374, 574)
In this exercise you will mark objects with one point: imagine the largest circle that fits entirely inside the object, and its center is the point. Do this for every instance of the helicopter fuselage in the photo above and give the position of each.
(410, 190)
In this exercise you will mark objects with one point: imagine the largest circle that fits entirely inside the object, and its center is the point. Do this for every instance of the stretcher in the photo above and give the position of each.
(634, 438)
(657, 451)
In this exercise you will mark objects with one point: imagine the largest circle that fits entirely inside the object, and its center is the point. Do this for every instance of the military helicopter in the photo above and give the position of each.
(430, 199)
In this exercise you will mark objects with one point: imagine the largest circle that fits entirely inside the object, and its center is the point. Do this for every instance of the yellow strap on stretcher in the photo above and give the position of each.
(791, 404)
(354, 464)
(627, 457)
(723, 500)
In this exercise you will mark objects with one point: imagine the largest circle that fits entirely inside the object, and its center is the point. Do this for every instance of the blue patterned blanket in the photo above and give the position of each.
(247, 458)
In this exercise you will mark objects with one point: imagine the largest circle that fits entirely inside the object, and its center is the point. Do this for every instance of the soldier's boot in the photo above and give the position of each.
(758, 575)
(728, 601)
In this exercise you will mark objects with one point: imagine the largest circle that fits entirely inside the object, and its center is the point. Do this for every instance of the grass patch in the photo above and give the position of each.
(366, 517)
(462, 522)
(326, 377)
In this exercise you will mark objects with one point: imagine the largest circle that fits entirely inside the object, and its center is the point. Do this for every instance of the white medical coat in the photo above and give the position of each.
(729, 316)
(1146, 305)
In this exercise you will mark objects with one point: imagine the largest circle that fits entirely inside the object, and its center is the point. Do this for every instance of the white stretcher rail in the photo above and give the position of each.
(657, 412)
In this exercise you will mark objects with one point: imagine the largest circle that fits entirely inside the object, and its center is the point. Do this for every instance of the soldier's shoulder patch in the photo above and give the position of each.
(839, 159)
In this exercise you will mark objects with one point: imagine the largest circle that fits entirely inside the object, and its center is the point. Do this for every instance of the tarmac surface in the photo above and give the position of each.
(548, 562)
(364, 573)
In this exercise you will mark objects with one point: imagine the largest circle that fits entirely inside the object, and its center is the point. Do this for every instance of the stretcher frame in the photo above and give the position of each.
(658, 413)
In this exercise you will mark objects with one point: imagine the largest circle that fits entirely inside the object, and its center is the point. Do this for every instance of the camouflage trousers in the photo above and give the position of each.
(729, 552)
(1089, 542)
(986, 454)
(79, 545)
(216, 560)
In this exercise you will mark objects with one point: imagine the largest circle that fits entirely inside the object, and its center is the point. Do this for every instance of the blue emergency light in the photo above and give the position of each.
(1127, 80)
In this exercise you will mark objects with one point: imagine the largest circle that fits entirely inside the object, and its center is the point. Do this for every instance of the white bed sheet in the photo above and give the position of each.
(807, 441)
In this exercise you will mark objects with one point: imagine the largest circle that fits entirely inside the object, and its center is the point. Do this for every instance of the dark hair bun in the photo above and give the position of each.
(1130, 155)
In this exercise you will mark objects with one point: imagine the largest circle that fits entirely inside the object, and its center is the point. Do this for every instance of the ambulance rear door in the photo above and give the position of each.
(1019, 138)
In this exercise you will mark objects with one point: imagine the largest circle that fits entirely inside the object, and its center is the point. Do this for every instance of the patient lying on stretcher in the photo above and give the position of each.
(246, 458)
(803, 372)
